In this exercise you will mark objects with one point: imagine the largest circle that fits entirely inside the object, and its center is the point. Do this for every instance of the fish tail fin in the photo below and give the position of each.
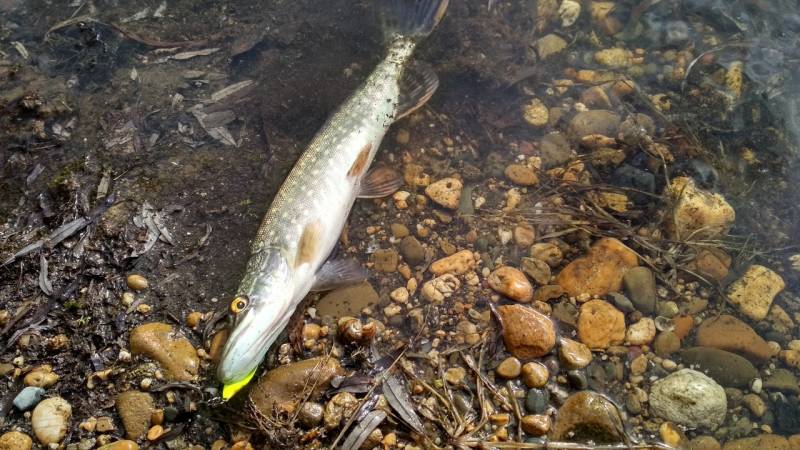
(414, 19)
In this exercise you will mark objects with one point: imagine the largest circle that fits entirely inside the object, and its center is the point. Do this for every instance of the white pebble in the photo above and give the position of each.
(569, 12)
(756, 386)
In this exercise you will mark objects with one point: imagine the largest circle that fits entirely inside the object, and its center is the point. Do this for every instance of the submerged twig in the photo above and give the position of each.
(126, 33)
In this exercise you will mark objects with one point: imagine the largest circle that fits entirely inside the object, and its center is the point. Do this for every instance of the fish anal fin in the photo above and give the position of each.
(336, 273)
(310, 243)
(360, 164)
(380, 182)
(417, 86)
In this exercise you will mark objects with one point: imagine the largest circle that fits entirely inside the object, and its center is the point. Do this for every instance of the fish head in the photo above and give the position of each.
(258, 318)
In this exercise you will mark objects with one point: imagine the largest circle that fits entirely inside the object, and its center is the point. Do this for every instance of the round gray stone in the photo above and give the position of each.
(689, 398)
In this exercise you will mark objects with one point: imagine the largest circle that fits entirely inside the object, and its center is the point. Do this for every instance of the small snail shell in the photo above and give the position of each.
(664, 324)
(50, 420)
(351, 330)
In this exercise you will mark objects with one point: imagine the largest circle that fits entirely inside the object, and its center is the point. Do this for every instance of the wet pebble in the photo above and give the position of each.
(642, 332)
(50, 420)
(587, 416)
(672, 435)
(534, 374)
(755, 404)
(764, 441)
(137, 282)
(726, 368)
(782, 380)
(614, 57)
(162, 342)
(698, 214)
(509, 368)
(135, 408)
(15, 440)
(754, 292)
(193, 319)
(457, 264)
(437, 289)
(5, 369)
(621, 302)
(688, 397)
(284, 387)
(711, 264)
(639, 365)
(569, 11)
(521, 175)
(640, 285)
(599, 121)
(524, 235)
(574, 354)
(41, 376)
(666, 343)
(728, 333)
(155, 432)
(600, 325)
(547, 293)
(536, 113)
(412, 251)
(385, 260)
(555, 150)
(548, 252)
(28, 397)
(341, 405)
(537, 269)
(704, 443)
(445, 192)
(121, 445)
(527, 333)
(599, 272)
(399, 230)
(549, 45)
(512, 283)
(577, 379)
(537, 401)
(536, 425)
(104, 425)
(455, 375)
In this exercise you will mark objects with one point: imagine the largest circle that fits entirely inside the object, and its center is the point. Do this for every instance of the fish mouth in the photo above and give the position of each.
(226, 375)
(230, 389)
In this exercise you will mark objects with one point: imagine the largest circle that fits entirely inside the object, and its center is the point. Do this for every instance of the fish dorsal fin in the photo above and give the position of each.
(337, 273)
(380, 182)
(417, 86)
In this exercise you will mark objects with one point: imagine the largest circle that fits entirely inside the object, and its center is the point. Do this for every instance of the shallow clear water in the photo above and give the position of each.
(194, 112)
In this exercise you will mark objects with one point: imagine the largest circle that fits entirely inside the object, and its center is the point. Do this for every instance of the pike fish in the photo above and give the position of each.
(289, 257)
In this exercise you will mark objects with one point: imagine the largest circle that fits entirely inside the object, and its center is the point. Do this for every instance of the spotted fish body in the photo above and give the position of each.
(309, 211)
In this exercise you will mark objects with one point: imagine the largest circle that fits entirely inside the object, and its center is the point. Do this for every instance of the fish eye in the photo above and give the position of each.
(239, 304)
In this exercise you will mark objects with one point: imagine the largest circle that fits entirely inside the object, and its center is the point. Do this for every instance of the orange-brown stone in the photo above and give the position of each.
(731, 334)
(712, 264)
(683, 326)
(600, 271)
(283, 388)
(527, 333)
(600, 325)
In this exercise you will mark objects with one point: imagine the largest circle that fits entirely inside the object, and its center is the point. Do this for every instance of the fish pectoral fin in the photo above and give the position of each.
(336, 273)
(380, 182)
(417, 86)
